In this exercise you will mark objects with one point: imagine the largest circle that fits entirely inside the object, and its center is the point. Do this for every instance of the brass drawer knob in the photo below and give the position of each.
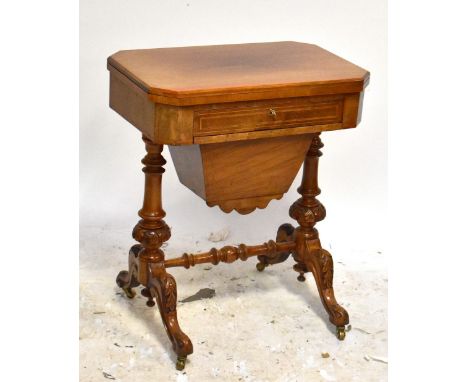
(272, 112)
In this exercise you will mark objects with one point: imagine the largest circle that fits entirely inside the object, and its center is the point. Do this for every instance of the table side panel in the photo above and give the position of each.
(352, 109)
(132, 103)
(163, 124)
(174, 125)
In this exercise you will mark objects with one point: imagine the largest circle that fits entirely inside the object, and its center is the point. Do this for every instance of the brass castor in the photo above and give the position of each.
(129, 292)
(301, 268)
(180, 365)
(340, 332)
(301, 277)
(261, 267)
(145, 292)
(122, 280)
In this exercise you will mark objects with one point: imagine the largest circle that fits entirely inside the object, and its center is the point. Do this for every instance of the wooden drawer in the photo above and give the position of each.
(274, 114)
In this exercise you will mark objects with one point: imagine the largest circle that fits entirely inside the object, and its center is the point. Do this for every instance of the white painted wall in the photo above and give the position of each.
(353, 169)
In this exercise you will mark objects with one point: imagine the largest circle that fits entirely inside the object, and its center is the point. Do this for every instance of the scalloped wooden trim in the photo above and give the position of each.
(244, 206)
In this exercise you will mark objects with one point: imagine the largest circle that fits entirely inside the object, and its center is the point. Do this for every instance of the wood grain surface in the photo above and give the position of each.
(225, 73)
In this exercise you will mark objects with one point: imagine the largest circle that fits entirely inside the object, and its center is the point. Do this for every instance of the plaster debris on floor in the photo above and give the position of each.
(218, 236)
(244, 325)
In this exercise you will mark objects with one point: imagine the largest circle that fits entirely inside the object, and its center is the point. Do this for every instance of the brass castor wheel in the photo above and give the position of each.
(301, 269)
(122, 280)
(301, 278)
(129, 292)
(261, 267)
(340, 332)
(180, 365)
(145, 292)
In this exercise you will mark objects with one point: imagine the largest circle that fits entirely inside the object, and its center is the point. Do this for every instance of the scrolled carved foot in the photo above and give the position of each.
(163, 287)
(320, 263)
(285, 233)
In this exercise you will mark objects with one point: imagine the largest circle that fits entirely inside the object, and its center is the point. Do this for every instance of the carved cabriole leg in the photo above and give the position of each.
(309, 255)
(146, 260)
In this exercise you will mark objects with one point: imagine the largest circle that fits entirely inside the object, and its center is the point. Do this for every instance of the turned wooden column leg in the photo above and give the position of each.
(146, 260)
(309, 255)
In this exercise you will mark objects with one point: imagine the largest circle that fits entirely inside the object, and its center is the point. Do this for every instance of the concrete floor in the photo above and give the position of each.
(257, 327)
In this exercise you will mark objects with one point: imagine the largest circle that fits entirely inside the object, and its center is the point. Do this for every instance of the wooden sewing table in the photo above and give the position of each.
(239, 121)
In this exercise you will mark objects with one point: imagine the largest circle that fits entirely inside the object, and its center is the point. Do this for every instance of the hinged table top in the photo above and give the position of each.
(242, 72)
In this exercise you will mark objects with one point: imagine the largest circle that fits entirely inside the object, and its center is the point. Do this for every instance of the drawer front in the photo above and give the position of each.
(268, 115)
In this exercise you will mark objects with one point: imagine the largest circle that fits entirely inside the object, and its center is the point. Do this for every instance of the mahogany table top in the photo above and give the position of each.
(240, 72)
